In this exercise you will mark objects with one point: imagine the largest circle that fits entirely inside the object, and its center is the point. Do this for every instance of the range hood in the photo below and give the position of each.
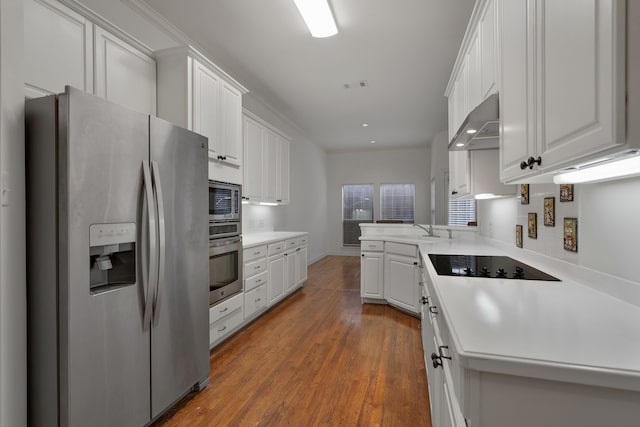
(480, 130)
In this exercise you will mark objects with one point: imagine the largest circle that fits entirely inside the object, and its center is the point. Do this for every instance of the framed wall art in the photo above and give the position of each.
(519, 235)
(549, 211)
(533, 225)
(524, 194)
(566, 192)
(570, 233)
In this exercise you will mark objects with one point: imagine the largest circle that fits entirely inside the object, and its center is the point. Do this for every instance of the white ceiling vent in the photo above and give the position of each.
(355, 85)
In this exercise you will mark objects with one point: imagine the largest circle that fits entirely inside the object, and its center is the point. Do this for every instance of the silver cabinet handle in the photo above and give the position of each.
(152, 272)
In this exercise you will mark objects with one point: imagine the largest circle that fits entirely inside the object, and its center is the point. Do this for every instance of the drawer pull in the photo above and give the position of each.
(257, 253)
(259, 281)
(224, 309)
(258, 300)
(223, 328)
(433, 309)
(257, 267)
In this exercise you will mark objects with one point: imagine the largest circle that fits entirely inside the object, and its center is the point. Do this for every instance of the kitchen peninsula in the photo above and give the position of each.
(498, 350)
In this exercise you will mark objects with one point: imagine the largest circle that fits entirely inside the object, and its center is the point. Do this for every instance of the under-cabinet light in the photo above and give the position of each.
(487, 196)
(318, 17)
(624, 167)
(459, 144)
(471, 131)
(245, 202)
(267, 204)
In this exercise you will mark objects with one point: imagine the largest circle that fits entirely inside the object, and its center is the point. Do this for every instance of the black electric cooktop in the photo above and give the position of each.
(495, 267)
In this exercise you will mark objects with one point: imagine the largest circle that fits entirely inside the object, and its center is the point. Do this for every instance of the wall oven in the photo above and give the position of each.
(225, 241)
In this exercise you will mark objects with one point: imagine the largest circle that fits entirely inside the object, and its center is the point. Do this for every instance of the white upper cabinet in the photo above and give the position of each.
(124, 74)
(266, 160)
(63, 47)
(58, 49)
(474, 74)
(193, 92)
(206, 104)
(230, 138)
(562, 85)
(459, 185)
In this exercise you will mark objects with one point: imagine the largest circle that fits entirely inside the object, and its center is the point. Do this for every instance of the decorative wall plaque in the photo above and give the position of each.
(550, 211)
(570, 233)
(519, 236)
(524, 194)
(533, 225)
(566, 192)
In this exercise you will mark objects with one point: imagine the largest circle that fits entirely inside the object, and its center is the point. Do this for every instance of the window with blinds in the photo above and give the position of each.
(461, 212)
(357, 207)
(397, 202)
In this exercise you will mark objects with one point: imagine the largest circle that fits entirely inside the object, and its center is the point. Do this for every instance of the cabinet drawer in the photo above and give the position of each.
(401, 249)
(275, 248)
(291, 243)
(255, 300)
(226, 325)
(372, 245)
(255, 267)
(256, 252)
(255, 281)
(303, 240)
(224, 308)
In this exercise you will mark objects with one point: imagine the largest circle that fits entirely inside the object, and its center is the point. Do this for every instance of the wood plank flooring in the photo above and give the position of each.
(320, 358)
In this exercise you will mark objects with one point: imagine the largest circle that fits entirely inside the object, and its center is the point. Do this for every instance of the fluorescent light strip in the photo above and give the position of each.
(317, 15)
(267, 204)
(602, 172)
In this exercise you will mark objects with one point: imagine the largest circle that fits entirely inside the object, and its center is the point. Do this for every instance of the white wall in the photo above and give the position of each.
(400, 166)
(439, 174)
(608, 225)
(13, 335)
(307, 190)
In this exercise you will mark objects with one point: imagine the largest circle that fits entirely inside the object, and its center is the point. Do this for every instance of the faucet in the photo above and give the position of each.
(428, 230)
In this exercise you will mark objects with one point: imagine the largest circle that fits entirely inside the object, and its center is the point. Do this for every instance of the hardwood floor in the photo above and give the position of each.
(320, 358)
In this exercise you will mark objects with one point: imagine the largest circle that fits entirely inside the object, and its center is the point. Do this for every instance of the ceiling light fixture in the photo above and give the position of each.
(364, 125)
(318, 17)
(625, 167)
(373, 142)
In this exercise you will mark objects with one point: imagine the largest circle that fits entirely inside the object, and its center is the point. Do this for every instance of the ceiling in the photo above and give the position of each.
(403, 49)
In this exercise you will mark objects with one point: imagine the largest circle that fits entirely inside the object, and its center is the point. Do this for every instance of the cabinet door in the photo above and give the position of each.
(124, 74)
(275, 284)
(253, 146)
(473, 75)
(270, 167)
(291, 263)
(206, 102)
(231, 123)
(57, 49)
(517, 141)
(401, 281)
(580, 78)
(372, 275)
(459, 181)
(487, 30)
(283, 171)
(301, 265)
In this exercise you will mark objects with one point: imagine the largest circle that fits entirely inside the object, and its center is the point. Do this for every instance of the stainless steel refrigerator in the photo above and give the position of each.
(117, 262)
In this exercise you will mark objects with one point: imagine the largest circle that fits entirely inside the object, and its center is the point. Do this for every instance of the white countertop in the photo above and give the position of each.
(255, 239)
(565, 331)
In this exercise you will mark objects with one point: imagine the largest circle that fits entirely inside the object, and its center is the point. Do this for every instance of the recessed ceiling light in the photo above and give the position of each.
(372, 142)
(318, 17)
(364, 125)
(471, 131)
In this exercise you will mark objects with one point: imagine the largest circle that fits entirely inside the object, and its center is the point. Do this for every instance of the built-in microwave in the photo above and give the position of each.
(224, 201)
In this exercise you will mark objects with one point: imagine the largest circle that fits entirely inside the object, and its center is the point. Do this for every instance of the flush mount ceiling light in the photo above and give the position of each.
(603, 171)
(372, 142)
(318, 17)
(364, 125)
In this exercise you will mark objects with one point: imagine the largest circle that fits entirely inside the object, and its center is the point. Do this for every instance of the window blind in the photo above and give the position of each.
(397, 202)
(462, 211)
(357, 208)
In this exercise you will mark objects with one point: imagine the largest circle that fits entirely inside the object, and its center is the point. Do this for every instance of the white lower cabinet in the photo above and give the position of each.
(255, 301)
(291, 264)
(225, 318)
(301, 265)
(372, 275)
(277, 274)
(401, 272)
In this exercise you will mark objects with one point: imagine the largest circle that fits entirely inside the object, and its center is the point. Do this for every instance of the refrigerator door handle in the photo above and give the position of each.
(152, 275)
(157, 185)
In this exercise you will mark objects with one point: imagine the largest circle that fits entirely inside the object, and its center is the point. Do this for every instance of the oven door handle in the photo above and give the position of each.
(217, 243)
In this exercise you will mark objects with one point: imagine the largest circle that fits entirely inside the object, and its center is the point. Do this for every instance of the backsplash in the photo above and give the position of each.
(608, 224)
